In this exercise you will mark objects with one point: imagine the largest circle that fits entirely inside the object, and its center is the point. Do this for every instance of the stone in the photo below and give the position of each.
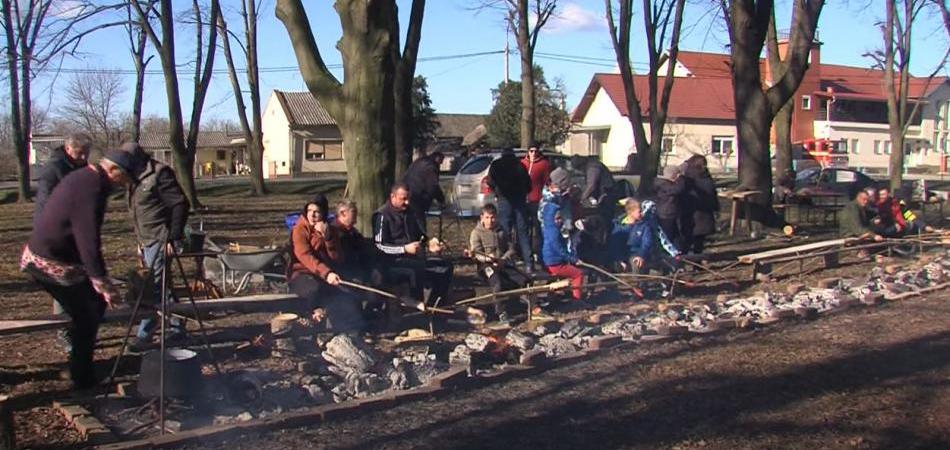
(343, 352)
(555, 345)
(401, 376)
(461, 355)
(533, 357)
(571, 328)
(477, 342)
(794, 288)
(828, 283)
(872, 298)
(545, 328)
(362, 385)
(604, 342)
(244, 417)
(807, 313)
(519, 340)
(892, 269)
(319, 395)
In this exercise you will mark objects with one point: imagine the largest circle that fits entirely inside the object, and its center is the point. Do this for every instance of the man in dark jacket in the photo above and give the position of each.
(669, 188)
(599, 190)
(71, 156)
(64, 255)
(159, 210)
(511, 184)
(399, 237)
(422, 177)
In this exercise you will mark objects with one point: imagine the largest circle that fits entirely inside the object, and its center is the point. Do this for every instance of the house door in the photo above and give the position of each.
(272, 169)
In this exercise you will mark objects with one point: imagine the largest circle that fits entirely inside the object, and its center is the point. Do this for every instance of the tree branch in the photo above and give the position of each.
(318, 78)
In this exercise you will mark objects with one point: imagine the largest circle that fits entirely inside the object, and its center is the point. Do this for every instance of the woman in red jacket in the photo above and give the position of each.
(311, 273)
(539, 171)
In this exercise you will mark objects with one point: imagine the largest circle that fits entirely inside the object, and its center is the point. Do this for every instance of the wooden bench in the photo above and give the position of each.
(828, 250)
(250, 303)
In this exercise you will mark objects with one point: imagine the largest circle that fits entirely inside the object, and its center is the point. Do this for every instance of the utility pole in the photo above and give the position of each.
(507, 30)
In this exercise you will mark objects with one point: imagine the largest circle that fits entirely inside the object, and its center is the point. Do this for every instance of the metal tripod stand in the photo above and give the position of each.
(165, 279)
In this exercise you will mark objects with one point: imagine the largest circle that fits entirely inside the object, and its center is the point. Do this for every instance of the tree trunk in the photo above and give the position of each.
(138, 58)
(896, 162)
(20, 147)
(402, 99)
(783, 138)
(528, 99)
(256, 148)
(26, 126)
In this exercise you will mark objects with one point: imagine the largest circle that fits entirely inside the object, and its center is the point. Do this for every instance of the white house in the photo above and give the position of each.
(837, 103)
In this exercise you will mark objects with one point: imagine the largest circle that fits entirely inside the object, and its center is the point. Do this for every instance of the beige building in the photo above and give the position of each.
(300, 136)
(217, 153)
(842, 105)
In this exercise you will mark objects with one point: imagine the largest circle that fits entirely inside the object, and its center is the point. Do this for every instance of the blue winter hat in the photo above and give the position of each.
(123, 160)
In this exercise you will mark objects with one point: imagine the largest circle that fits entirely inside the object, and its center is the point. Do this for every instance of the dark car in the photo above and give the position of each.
(816, 182)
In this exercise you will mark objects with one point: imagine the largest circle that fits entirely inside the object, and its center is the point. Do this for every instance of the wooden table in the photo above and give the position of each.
(739, 198)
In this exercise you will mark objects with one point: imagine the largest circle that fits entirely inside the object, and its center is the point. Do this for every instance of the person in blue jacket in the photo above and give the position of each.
(635, 237)
(556, 250)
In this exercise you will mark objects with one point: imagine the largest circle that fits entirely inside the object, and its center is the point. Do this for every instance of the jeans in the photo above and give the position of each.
(83, 304)
(513, 219)
(534, 227)
(153, 257)
(501, 278)
(343, 309)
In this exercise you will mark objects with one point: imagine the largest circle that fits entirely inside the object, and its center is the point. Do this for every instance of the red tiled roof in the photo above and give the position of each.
(691, 98)
(707, 93)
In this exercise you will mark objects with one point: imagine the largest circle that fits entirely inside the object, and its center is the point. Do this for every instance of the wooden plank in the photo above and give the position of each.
(753, 257)
(250, 303)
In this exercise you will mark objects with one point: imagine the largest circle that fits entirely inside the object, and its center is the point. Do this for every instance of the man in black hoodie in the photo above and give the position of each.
(511, 184)
(670, 188)
(422, 177)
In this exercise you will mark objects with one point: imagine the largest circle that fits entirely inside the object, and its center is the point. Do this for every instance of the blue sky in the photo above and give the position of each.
(463, 85)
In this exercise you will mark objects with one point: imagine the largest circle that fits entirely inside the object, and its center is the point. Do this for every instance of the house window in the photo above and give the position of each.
(323, 150)
(806, 102)
(667, 146)
(221, 155)
(877, 147)
(722, 145)
(855, 149)
(887, 147)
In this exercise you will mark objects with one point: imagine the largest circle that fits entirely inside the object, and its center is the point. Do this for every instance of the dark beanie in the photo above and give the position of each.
(124, 160)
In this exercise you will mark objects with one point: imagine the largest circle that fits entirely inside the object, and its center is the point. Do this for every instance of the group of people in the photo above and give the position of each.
(876, 214)
(64, 252)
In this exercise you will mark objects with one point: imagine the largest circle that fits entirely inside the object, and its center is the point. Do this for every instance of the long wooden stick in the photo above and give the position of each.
(405, 302)
(559, 285)
(707, 269)
(655, 277)
(636, 290)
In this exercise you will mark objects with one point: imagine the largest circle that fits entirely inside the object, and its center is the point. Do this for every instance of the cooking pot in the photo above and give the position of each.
(182, 373)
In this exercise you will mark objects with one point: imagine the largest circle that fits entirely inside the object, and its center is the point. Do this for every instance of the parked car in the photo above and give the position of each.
(470, 186)
(816, 182)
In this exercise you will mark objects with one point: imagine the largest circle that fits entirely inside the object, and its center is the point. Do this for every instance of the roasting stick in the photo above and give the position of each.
(708, 270)
(406, 302)
(643, 276)
(636, 290)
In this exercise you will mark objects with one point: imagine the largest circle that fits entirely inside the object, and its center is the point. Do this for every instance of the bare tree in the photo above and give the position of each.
(403, 88)
(944, 12)
(894, 60)
(138, 38)
(39, 32)
(756, 105)
(253, 129)
(91, 105)
(656, 22)
(163, 39)
(362, 105)
(783, 118)
(519, 15)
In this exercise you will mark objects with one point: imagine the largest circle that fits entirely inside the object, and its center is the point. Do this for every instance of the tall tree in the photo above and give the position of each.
(403, 88)
(425, 124)
(362, 105)
(656, 22)
(894, 60)
(138, 38)
(757, 104)
(37, 33)
(526, 18)
(253, 129)
(783, 118)
(92, 105)
(503, 121)
(163, 39)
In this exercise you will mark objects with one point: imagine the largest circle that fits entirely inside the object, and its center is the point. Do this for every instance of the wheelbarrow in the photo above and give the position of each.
(239, 264)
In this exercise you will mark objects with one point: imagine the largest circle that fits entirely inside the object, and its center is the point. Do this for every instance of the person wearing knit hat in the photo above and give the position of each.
(669, 190)
(159, 211)
(64, 255)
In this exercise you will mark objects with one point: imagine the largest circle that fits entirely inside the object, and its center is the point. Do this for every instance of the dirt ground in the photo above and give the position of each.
(870, 379)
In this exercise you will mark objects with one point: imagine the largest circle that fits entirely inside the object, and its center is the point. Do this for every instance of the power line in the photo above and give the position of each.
(276, 69)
